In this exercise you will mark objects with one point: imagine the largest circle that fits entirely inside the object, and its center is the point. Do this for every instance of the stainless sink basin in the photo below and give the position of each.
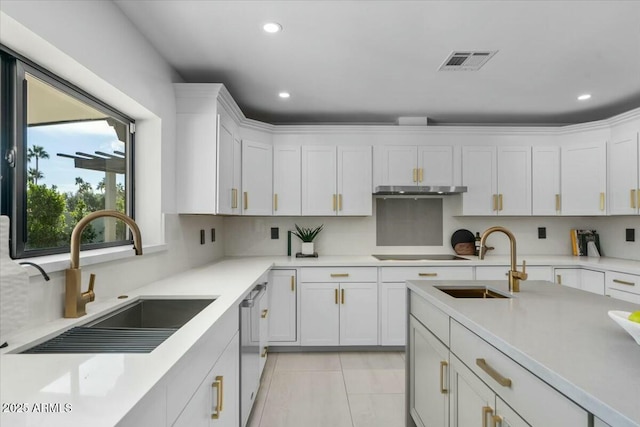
(139, 327)
(471, 292)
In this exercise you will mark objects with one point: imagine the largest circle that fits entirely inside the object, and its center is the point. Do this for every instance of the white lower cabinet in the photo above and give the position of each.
(428, 387)
(393, 313)
(581, 278)
(215, 402)
(623, 286)
(282, 307)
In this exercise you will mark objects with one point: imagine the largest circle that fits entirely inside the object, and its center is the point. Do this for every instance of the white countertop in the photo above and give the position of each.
(102, 388)
(562, 335)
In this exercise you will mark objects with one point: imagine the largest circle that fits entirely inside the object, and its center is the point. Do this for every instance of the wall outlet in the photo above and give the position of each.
(275, 233)
(542, 232)
(202, 237)
(213, 234)
(630, 234)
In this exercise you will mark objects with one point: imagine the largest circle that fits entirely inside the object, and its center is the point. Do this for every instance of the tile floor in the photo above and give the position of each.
(350, 389)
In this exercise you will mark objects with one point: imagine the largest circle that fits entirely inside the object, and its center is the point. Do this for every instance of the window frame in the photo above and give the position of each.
(14, 130)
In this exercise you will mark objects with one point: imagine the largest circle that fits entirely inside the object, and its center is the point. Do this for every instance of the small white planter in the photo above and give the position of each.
(307, 248)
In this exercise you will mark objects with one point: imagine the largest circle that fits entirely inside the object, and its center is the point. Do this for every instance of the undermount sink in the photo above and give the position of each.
(139, 327)
(471, 292)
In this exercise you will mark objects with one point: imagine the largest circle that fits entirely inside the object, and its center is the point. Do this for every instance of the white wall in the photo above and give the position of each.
(93, 45)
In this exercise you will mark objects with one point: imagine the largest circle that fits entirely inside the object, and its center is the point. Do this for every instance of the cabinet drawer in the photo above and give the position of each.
(339, 274)
(623, 282)
(400, 274)
(536, 401)
(428, 314)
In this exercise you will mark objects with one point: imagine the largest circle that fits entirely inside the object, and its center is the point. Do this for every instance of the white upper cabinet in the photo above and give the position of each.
(584, 178)
(498, 180)
(257, 163)
(546, 198)
(336, 180)
(229, 166)
(624, 183)
(286, 180)
(416, 165)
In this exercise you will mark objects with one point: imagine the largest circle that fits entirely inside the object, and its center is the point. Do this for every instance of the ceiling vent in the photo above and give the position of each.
(466, 61)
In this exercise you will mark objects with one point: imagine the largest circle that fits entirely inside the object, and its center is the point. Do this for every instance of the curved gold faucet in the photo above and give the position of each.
(75, 301)
(514, 275)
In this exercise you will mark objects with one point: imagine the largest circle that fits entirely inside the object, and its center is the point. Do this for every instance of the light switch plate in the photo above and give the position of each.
(630, 234)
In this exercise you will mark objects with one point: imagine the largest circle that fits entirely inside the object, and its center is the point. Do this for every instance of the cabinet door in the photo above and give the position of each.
(320, 314)
(319, 180)
(428, 385)
(399, 165)
(579, 278)
(215, 402)
(282, 306)
(623, 175)
(354, 181)
(257, 175)
(514, 180)
(568, 277)
(472, 402)
(583, 179)
(479, 175)
(358, 314)
(393, 313)
(286, 180)
(229, 165)
(507, 417)
(546, 181)
(435, 165)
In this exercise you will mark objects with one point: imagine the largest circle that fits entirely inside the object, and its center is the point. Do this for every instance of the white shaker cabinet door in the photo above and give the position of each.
(354, 181)
(282, 306)
(472, 402)
(435, 165)
(583, 179)
(358, 314)
(624, 189)
(398, 165)
(229, 165)
(514, 180)
(393, 313)
(286, 180)
(257, 176)
(319, 195)
(320, 314)
(479, 175)
(546, 198)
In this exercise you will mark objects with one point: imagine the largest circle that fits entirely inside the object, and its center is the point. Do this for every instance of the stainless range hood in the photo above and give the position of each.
(414, 190)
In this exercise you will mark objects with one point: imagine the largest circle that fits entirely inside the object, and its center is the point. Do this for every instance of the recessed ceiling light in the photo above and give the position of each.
(284, 95)
(584, 97)
(272, 27)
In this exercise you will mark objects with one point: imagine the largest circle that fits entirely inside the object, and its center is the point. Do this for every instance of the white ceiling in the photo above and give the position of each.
(373, 61)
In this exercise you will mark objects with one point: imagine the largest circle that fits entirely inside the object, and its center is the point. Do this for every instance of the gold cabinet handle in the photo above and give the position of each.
(428, 274)
(293, 283)
(334, 202)
(275, 202)
(633, 198)
(559, 279)
(420, 175)
(264, 352)
(503, 381)
(339, 202)
(234, 198)
(217, 384)
(500, 202)
(558, 202)
(264, 313)
(638, 197)
(415, 175)
(601, 201)
(623, 282)
(443, 367)
(336, 295)
(339, 274)
(497, 419)
(495, 202)
(246, 200)
(486, 410)
(342, 296)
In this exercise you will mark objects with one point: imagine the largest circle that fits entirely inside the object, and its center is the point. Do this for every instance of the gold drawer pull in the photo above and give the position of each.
(443, 367)
(500, 202)
(339, 274)
(428, 274)
(495, 202)
(339, 202)
(234, 198)
(633, 199)
(497, 419)
(601, 201)
(415, 175)
(293, 284)
(264, 313)
(486, 410)
(342, 295)
(217, 384)
(557, 202)
(264, 352)
(246, 200)
(504, 382)
(559, 279)
(275, 202)
(623, 282)
(420, 175)
(336, 295)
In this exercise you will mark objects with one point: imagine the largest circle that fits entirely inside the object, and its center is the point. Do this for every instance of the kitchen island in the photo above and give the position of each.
(562, 336)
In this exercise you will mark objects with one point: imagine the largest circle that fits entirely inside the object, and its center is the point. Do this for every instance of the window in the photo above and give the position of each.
(67, 155)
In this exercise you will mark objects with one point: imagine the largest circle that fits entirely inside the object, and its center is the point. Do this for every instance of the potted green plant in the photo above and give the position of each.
(307, 235)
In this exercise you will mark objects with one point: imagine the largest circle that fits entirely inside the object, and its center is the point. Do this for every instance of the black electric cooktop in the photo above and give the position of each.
(436, 257)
